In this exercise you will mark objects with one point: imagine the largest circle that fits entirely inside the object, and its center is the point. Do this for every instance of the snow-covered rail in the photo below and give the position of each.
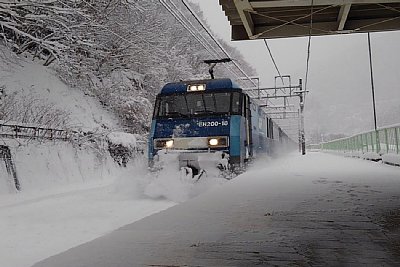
(382, 144)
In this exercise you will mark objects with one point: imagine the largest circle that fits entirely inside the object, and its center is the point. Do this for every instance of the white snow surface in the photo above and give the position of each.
(234, 213)
(68, 197)
(124, 139)
(371, 156)
(71, 195)
(391, 159)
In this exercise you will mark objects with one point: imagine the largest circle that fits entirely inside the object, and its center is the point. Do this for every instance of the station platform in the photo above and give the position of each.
(313, 210)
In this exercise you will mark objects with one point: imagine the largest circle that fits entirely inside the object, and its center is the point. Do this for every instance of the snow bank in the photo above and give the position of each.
(124, 139)
(372, 156)
(46, 165)
(393, 159)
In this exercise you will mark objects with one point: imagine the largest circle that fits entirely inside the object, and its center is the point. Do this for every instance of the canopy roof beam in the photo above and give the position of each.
(255, 19)
(293, 3)
(243, 7)
(342, 18)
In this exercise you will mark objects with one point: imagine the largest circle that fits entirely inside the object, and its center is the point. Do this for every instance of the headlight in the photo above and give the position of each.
(213, 142)
(169, 143)
(163, 143)
(218, 141)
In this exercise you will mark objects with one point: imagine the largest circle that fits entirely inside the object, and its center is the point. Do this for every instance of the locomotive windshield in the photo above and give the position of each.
(195, 104)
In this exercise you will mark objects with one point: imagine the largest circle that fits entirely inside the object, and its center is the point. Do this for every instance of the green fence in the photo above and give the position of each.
(380, 142)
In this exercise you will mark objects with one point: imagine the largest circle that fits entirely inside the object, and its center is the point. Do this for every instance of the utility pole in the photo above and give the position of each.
(372, 80)
(377, 139)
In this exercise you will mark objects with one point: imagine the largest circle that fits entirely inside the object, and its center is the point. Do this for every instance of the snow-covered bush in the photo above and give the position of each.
(123, 147)
(28, 108)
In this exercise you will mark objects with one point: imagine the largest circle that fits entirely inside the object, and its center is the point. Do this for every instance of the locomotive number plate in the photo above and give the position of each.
(212, 123)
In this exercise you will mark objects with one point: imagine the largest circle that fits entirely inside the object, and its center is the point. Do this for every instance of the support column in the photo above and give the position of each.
(302, 132)
(396, 136)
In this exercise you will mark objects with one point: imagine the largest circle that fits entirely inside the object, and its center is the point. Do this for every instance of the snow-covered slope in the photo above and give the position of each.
(31, 79)
(47, 165)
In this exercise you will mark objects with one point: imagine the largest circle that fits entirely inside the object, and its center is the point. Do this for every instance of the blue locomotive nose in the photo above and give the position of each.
(195, 127)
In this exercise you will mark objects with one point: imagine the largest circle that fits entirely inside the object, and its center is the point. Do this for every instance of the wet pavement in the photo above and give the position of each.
(320, 210)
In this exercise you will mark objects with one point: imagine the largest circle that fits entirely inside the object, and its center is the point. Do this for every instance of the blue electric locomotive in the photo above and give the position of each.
(201, 119)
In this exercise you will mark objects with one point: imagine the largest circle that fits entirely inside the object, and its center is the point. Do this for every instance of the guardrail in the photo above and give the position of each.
(15, 130)
(382, 144)
(12, 130)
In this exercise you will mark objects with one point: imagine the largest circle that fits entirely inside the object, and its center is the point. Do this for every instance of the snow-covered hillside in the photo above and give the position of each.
(29, 80)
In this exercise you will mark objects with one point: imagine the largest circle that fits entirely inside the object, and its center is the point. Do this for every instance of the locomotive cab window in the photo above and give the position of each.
(198, 104)
(235, 103)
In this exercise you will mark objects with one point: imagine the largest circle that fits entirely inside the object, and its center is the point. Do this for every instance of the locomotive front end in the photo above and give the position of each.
(196, 122)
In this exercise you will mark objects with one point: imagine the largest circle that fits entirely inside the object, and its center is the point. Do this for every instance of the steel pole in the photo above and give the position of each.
(372, 80)
(302, 132)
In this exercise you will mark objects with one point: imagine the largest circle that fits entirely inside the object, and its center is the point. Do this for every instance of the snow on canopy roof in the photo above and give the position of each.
(215, 84)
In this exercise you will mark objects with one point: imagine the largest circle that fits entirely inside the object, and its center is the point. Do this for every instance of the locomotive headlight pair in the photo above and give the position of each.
(196, 87)
(217, 141)
(191, 142)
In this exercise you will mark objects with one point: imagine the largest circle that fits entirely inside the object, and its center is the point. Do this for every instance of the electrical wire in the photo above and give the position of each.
(182, 17)
(273, 61)
(215, 40)
(184, 23)
(180, 21)
(309, 45)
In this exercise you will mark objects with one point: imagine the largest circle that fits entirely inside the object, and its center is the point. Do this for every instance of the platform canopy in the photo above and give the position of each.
(258, 19)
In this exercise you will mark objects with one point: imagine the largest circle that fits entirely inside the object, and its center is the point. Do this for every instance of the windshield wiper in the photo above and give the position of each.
(176, 113)
(208, 112)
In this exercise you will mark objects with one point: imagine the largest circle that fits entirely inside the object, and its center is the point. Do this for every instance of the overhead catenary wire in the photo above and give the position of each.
(127, 40)
(273, 61)
(213, 51)
(216, 41)
(182, 22)
(309, 45)
(188, 24)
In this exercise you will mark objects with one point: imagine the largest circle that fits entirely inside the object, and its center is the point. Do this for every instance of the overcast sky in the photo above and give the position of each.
(339, 78)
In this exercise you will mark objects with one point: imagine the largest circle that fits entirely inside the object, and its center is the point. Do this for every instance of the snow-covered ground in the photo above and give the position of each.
(70, 195)
(34, 229)
(318, 210)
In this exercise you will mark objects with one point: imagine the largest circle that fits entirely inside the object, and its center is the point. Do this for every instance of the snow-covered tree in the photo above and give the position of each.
(120, 51)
